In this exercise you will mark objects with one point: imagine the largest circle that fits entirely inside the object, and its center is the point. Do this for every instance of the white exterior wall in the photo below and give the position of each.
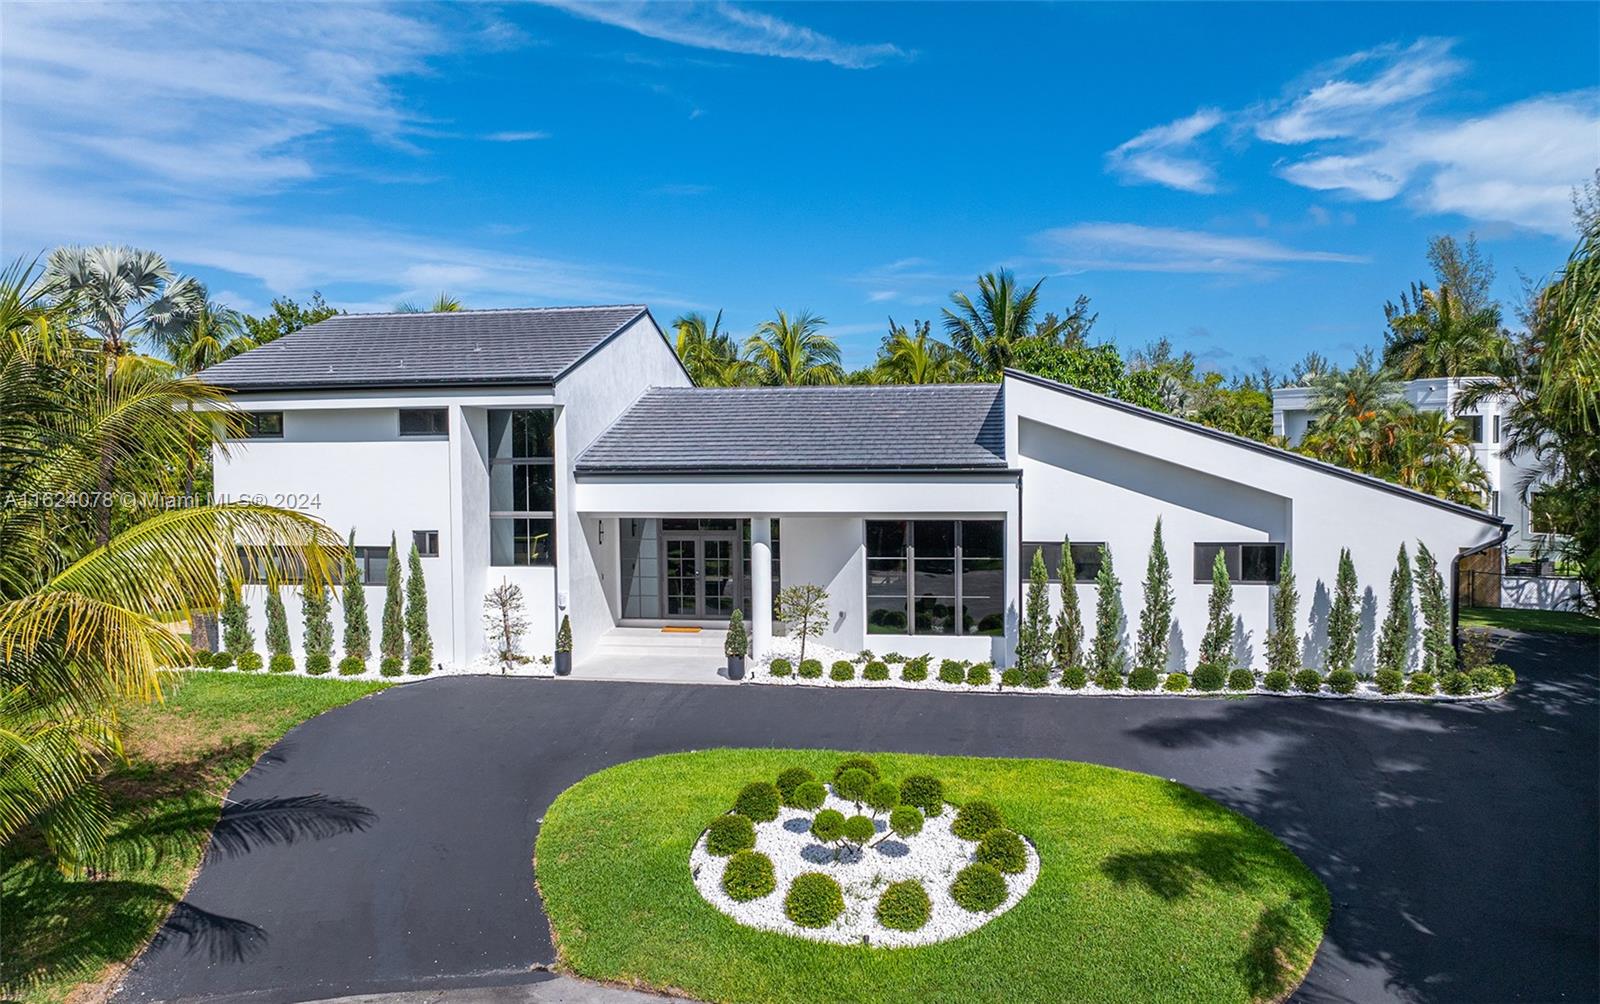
(830, 552)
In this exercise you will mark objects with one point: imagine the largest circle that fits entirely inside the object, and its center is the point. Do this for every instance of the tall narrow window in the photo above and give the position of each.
(522, 494)
(1497, 428)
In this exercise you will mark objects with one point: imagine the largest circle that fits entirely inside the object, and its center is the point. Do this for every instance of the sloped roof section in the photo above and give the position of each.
(857, 428)
(526, 346)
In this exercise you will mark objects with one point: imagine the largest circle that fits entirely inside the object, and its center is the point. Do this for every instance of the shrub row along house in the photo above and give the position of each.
(566, 451)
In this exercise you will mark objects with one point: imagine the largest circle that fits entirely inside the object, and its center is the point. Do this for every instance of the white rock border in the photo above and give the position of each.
(479, 667)
(933, 857)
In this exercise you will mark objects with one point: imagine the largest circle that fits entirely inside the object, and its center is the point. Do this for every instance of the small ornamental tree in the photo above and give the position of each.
(1342, 618)
(235, 616)
(277, 623)
(1438, 654)
(1394, 641)
(564, 635)
(804, 609)
(1067, 642)
(417, 634)
(1033, 634)
(505, 624)
(1155, 620)
(737, 644)
(392, 642)
(357, 632)
(1107, 654)
(1216, 646)
(314, 606)
(1283, 645)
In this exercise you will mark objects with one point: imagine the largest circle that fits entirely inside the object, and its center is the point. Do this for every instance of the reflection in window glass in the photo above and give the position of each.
(520, 541)
(937, 577)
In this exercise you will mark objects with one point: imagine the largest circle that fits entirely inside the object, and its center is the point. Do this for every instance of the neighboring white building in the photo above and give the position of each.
(566, 450)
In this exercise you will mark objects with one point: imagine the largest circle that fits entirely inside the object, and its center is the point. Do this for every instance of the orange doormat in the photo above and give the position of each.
(680, 630)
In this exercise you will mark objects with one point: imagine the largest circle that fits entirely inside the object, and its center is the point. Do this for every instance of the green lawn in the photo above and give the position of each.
(1149, 891)
(1558, 621)
(183, 754)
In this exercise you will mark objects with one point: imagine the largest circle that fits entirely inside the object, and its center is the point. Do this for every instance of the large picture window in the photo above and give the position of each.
(522, 492)
(1248, 564)
(939, 577)
(1085, 559)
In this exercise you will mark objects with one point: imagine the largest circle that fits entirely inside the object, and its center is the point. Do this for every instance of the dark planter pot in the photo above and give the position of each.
(735, 667)
(563, 663)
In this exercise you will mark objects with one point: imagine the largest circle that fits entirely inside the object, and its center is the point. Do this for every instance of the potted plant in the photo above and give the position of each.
(564, 647)
(736, 645)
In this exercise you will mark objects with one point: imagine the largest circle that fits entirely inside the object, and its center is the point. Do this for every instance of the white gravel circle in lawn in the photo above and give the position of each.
(933, 856)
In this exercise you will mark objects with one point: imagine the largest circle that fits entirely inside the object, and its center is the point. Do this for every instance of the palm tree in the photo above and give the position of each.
(1359, 392)
(215, 332)
(444, 303)
(791, 352)
(1433, 333)
(709, 354)
(917, 359)
(987, 331)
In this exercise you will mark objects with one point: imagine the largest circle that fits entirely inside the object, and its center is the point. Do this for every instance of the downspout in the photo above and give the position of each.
(1455, 583)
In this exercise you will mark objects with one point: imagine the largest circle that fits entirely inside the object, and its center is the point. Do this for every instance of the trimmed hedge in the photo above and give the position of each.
(1003, 849)
(419, 665)
(1143, 678)
(1176, 683)
(780, 667)
(222, 660)
(865, 763)
(810, 796)
(352, 665)
(975, 819)
(1108, 679)
(201, 657)
(389, 666)
(882, 797)
(980, 675)
(318, 664)
(828, 825)
(852, 784)
(1074, 678)
(859, 829)
(1485, 679)
(951, 671)
(811, 669)
(749, 875)
(905, 820)
(730, 833)
(842, 670)
(1036, 677)
(1011, 676)
(923, 791)
(978, 888)
(1277, 681)
(250, 662)
(915, 670)
(758, 801)
(1456, 684)
(1241, 679)
(1210, 677)
(875, 671)
(1307, 681)
(791, 778)
(813, 900)
(904, 906)
(282, 663)
(1342, 681)
(1390, 681)
(1420, 683)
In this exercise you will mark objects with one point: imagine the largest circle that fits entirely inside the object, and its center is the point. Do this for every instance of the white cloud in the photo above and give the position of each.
(1162, 154)
(517, 137)
(1346, 105)
(725, 27)
(1130, 247)
(881, 295)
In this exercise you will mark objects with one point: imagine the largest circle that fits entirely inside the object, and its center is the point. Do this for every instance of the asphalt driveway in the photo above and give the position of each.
(385, 846)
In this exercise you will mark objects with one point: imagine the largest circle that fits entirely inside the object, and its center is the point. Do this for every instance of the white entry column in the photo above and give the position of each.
(760, 585)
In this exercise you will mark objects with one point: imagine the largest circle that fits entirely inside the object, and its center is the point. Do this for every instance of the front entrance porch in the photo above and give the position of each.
(656, 655)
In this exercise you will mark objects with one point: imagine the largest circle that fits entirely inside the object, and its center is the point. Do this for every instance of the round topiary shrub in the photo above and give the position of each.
(828, 825)
(222, 660)
(791, 778)
(915, 670)
(851, 785)
(813, 900)
(951, 671)
(352, 665)
(882, 797)
(859, 829)
(250, 662)
(923, 791)
(281, 664)
(1390, 681)
(1108, 679)
(1307, 681)
(200, 657)
(1485, 679)
(1342, 681)
(978, 888)
(875, 671)
(1011, 676)
(318, 664)
(1420, 683)
(1456, 684)
(842, 670)
(904, 906)
(905, 821)
(1276, 681)
(809, 796)
(1143, 678)
(730, 833)
(1177, 683)
(1210, 677)
(1506, 676)
(419, 666)
(1003, 849)
(975, 819)
(780, 667)
(748, 876)
(389, 666)
(980, 675)
(1036, 677)
(865, 763)
(811, 669)
(759, 801)
(1241, 679)
(1074, 678)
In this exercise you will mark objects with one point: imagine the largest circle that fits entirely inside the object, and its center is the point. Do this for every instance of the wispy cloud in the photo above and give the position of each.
(1346, 95)
(1163, 154)
(914, 282)
(527, 136)
(725, 27)
(1130, 247)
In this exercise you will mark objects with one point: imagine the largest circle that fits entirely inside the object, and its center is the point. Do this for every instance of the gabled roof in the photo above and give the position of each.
(946, 427)
(525, 346)
(1276, 453)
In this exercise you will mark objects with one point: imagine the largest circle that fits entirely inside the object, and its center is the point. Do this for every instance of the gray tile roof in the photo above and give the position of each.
(534, 345)
(706, 430)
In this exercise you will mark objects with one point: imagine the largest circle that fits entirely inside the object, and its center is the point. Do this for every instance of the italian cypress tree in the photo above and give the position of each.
(1394, 641)
(417, 617)
(1283, 645)
(1107, 655)
(315, 606)
(1155, 620)
(1067, 643)
(1216, 646)
(392, 642)
(357, 632)
(1342, 618)
(277, 623)
(1439, 656)
(1033, 635)
(237, 638)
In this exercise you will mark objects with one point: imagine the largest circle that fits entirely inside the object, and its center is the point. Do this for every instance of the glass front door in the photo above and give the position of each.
(700, 575)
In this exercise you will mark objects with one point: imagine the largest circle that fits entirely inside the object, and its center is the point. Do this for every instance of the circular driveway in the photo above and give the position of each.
(385, 845)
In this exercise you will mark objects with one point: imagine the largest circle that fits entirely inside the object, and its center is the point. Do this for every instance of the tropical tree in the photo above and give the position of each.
(1095, 368)
(1452, 329)
(1155, 620)
(709, 353)
(986, 331)
(1394, 640)
(1342, 624)
(792, 351)
(215, 332)
(287, 317)
(1216, 645)
(1283, 645)
(916, 357)
(444, 303)
(1067, 640)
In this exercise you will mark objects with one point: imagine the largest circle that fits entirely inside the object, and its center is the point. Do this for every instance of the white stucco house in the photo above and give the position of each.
(566, 450)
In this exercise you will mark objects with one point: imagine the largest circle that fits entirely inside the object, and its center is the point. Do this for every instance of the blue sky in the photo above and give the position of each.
(1251, 181)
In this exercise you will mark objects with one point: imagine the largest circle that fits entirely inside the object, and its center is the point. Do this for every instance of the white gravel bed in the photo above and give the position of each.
(481, 667)
(933, 856)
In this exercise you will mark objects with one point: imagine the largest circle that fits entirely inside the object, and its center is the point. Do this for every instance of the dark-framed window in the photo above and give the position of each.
(261, 425)
(1472, 427)
(936, 576)
(426, 542)
(1497, 428)
(424, 421)
(371, 562)
(1085, 559)
(522, 487)
(1248, 564)
(1494, 503)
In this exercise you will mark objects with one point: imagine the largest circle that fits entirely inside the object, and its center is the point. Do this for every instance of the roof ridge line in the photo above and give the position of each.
(487, 310)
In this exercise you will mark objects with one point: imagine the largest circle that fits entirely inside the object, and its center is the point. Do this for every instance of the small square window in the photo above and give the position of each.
(424, 422)
(262, 425)
(1472, 427)
(427, 542)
